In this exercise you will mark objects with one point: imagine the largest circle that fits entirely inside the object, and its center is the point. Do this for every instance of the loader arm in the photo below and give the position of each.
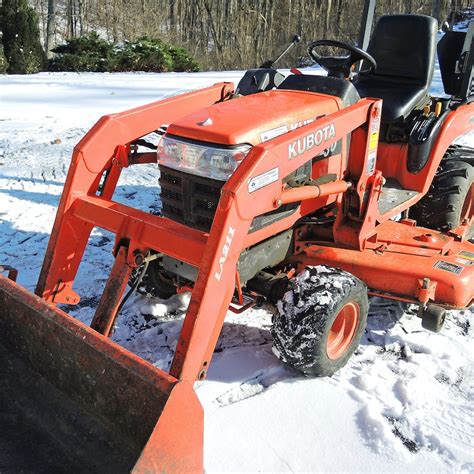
(137, 232)
(99, 152)
(175, 444)
(234, 215)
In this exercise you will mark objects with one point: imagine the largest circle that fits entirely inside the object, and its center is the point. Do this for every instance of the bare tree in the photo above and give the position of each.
(225, 33)
(50, 28)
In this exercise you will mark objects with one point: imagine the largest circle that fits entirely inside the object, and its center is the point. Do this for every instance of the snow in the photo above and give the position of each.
(403, 402)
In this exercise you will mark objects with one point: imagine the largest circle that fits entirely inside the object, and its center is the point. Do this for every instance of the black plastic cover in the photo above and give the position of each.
(258, 80)
(421, 141)
(322, 85)
(449, 49)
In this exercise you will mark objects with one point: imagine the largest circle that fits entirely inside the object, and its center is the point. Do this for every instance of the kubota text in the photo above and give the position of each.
(311, 140)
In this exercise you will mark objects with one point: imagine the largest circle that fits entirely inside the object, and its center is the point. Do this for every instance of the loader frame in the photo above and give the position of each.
(95, 169)
(137, 232)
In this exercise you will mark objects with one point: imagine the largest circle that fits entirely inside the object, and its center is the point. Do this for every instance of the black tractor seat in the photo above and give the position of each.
(404, 47)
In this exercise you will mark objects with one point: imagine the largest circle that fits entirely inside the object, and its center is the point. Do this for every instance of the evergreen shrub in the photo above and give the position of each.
(21, 38)
(91, 53)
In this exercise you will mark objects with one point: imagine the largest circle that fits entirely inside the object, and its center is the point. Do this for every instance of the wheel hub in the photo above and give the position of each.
(342, 330)
(468, 207)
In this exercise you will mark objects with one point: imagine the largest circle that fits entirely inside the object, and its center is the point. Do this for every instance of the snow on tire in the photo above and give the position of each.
(320, 321)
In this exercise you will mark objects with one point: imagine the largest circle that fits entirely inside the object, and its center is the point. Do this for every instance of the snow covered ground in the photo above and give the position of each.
(404, 401)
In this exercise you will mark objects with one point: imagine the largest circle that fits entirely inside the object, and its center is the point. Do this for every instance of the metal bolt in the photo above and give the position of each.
(139, 259)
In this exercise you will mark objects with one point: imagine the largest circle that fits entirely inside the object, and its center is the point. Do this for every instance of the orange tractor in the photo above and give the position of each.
(309, 192)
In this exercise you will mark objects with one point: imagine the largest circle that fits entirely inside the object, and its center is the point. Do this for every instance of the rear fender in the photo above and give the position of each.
(458, 123)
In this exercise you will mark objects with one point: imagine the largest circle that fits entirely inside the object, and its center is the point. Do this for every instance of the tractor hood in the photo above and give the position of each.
(254, 119)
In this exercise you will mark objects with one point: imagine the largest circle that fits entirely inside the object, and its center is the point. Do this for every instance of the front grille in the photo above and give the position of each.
(189, 199)
(193, 200)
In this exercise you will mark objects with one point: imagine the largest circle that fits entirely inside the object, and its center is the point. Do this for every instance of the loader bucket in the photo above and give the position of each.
(73, 401)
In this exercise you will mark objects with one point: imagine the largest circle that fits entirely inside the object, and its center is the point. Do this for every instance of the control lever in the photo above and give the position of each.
(267, 64)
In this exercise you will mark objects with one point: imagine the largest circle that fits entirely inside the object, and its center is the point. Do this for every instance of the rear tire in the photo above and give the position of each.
(321, 320)
(450, 199)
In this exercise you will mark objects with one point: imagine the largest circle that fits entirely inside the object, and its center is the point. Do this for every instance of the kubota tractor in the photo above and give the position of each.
(310, 192)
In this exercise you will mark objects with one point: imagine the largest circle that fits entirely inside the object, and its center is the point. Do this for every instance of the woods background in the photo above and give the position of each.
(222, 34)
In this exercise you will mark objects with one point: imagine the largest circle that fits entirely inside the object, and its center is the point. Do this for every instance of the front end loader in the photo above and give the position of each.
(300, 191)
(73, 401)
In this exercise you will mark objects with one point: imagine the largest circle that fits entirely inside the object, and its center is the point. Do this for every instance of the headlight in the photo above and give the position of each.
(209, 161)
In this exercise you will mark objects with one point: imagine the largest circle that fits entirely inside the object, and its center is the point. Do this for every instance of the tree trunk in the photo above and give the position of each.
(50, 28)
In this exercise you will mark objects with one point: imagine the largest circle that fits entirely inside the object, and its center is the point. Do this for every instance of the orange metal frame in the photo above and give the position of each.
(215, 254)
(105, 150)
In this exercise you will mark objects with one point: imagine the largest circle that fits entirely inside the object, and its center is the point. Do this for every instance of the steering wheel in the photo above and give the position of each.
(340, 66)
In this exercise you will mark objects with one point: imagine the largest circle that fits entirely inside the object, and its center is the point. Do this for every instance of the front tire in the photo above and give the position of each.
(321, 320)
(154, 283)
